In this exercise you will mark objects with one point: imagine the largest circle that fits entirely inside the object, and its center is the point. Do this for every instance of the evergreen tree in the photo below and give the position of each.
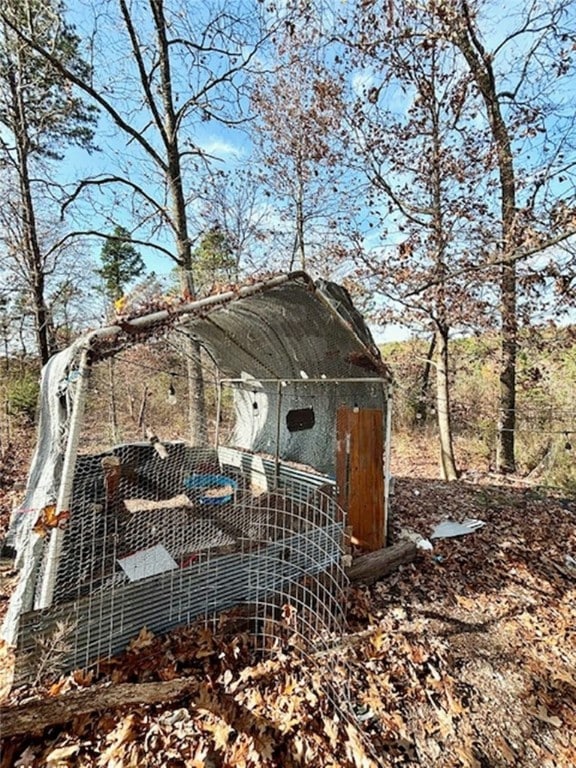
(121, 263)
(214, 257)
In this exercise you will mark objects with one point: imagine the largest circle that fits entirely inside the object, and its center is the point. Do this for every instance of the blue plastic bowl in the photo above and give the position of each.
(204, 483)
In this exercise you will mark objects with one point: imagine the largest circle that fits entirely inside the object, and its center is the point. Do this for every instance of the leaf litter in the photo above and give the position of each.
(465, 657)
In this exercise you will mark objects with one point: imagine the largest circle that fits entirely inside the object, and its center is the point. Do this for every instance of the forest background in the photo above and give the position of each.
(422, 154)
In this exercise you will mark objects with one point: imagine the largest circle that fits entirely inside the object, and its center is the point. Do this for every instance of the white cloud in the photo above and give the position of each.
(221, 149)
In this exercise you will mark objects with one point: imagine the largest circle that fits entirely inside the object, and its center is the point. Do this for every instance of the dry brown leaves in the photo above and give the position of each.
(465, 658)
(14, 461)
(495, 611)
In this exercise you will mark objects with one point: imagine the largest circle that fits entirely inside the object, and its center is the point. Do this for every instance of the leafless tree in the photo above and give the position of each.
(39, 118)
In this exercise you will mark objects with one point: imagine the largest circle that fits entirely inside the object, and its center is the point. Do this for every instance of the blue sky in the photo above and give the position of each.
(230, 147)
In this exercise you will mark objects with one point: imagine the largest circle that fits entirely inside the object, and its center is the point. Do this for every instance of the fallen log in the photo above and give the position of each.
(34, 716)
(371, 567)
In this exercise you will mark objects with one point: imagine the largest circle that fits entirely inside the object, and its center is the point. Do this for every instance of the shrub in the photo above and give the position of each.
(22, 398)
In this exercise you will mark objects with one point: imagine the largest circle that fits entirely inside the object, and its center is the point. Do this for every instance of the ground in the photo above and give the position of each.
(465, 657)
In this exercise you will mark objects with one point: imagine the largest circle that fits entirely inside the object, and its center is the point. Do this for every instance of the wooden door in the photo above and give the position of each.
(360, 473)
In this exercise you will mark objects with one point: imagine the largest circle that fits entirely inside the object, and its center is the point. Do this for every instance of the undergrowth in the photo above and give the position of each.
(545, 411)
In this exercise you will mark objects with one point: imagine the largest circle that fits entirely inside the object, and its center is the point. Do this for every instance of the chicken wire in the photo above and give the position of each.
(157, 550)
(128, 525)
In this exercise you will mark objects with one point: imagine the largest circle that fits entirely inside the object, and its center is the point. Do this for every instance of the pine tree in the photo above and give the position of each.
(121, 263)
(214, 257)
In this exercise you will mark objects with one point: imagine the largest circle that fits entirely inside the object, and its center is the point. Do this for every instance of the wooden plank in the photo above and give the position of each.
(360, 473)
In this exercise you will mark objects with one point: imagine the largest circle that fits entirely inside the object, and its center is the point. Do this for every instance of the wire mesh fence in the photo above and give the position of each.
(193, 546)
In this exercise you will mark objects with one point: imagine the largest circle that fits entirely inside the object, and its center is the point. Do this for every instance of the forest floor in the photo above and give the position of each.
(465, 657)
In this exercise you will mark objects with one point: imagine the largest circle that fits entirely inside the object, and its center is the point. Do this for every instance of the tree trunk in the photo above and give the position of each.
(41, 319)
(196, 403)
(480, 64)
(174, 176)
(32, 253)
(6, 352)
(299, 252)
(447, 463)
(448, 469)
(195, 375)
(507, 422)
(113, 408)
(422, 412)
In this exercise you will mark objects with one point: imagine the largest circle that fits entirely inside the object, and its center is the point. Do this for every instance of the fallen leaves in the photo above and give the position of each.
(542, 714)
(464, 658)
(61, 755)
(49, 519)
(144, 639)
(356, 749)
(119, 742)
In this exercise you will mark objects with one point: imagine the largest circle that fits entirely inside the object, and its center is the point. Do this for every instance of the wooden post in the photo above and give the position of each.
(360, 473)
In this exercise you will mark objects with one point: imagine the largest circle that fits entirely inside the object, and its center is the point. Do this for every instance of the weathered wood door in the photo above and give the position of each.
(360, 473)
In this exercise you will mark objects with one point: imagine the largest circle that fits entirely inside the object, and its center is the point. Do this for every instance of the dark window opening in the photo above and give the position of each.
(300, 419)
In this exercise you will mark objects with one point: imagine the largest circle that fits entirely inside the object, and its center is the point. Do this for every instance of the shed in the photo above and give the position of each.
(126, 523)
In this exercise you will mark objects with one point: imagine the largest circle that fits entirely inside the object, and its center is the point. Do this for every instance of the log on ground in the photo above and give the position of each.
(371, 567)
(34, 716)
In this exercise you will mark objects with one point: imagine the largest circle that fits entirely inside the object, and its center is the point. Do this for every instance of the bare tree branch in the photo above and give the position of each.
(95, 233)
(90, 90)
(144, 78)
(492, 263)
(102, 181)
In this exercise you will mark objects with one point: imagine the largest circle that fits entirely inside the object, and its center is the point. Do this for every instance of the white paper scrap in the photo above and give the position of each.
(147, 562)
(449, 528)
